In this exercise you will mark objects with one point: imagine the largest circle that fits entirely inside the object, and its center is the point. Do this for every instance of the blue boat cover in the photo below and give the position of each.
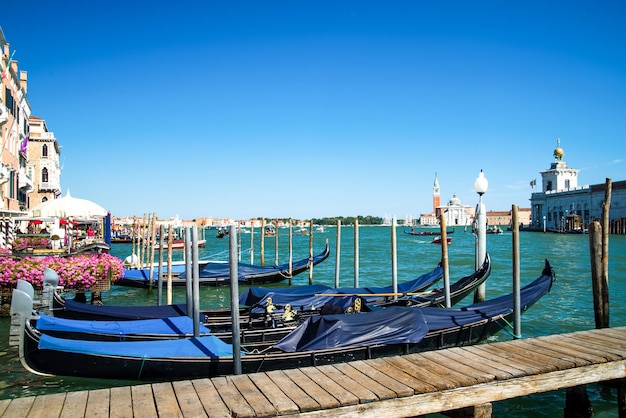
(440, 318)
(209, 346)
(176, 325)
(303, 297)
(129, 312)
(394, 325)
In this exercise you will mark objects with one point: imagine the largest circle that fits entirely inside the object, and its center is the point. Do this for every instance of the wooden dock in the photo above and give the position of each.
(398, 386)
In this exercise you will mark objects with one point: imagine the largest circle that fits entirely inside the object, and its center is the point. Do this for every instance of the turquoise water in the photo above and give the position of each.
(569, 307)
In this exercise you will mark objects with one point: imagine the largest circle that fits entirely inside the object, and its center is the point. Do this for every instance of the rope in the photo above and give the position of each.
(143, 361)
(509, 325)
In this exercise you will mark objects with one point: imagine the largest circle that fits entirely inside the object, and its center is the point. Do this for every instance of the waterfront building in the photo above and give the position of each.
(43, 162)
(503, 218)
(563, 205)
(15, 180)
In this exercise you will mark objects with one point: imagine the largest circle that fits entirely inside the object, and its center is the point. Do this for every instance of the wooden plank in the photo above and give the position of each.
(47, 406)
(381, 392)
(474, 362)
(541, 358)
(232, 398)
(293, 391)
(259, 403)
(323, 398)
(349, 384)
(401, 376)
(344, 396)
(121, 402)
(143, 401)
(98, 403)
(412, 365)
(500, 356)
(75, 404)
(212, 402)
(463, 374)
(576, 357)
(165, 399)
(594, 354)
(19, 407)
(590, 347)
(283, 404)
(480, 394)
(4, 404)
(615, 346)
(378, 375)
(188, 400)
(515, 354)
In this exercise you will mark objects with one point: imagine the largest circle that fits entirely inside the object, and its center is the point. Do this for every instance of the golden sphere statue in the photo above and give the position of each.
(558, 153)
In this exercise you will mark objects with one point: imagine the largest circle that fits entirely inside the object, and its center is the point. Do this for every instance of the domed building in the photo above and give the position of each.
(564, 206)
(455, 212)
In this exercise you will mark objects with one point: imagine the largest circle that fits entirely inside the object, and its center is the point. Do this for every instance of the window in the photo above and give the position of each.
(549, 186)
(44, 175)
(44, 150)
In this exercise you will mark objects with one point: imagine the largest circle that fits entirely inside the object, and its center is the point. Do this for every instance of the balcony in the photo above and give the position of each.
(26, 184)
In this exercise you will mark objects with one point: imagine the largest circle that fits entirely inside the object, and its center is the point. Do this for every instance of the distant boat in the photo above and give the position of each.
(437, 240)
(494, 230)
(221, 233)
(270, 230)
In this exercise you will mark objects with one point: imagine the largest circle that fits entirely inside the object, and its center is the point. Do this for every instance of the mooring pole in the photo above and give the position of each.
(234, 299)
(160, 267)
(338, 253)
(444, 259)
(356, 253)
(394, 258)
(188, 272)
(196, 280)
(517, 309)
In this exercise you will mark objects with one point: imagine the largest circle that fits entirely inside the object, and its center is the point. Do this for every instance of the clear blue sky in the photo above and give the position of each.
(321, 108)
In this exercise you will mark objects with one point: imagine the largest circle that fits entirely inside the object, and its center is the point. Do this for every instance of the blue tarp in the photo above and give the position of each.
(394, 325)
(303, 297)
(178, 325)
(209, 346)
(129, 312)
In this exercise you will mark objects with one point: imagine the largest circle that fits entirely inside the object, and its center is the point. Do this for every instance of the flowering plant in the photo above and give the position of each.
(30, 242)
(84, 270)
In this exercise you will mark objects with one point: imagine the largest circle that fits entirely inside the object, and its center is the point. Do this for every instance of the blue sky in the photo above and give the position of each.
(321, 108)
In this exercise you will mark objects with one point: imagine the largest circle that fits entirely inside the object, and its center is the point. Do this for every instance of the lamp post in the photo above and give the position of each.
(544, 224)
(480, 229)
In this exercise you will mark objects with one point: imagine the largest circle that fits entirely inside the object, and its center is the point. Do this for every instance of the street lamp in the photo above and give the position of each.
(480, 229)
(544, 224)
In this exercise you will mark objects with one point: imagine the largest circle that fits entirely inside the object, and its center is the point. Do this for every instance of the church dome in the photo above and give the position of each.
(455, 201)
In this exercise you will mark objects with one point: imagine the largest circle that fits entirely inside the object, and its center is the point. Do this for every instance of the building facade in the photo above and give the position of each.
(15, 181)
(43, 162)
(563, 205)
(455, 213)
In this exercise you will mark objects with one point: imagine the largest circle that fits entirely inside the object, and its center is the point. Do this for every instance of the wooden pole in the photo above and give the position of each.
(394, 257)
(152, 241)
(444, 260)
(195, 267)
(311, 254)
(234, 299)
(252, 243)
(188, 272)
(263, 242)
(338, 253)
(290, 252)
(356, 253)
(598, 285)
(517, 323)
(170, 238)
(160, 267)
(276, 244)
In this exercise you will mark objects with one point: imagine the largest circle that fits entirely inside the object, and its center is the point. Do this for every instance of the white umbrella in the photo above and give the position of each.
(68, 206)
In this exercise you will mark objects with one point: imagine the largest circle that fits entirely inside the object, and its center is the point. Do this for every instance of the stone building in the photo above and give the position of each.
(563, 205)
(43, 162)
(454, 211)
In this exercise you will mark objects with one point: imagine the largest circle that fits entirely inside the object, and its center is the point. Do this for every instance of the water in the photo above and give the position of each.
(568, 308)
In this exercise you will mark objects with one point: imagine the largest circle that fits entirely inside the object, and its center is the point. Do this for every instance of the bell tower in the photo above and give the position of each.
(436, 196)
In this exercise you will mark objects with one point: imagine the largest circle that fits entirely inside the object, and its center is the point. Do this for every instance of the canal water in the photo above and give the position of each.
(568, 307)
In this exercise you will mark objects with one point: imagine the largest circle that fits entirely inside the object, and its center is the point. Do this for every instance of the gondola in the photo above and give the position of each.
(218, 273)
(324, 339)
(67, 308)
